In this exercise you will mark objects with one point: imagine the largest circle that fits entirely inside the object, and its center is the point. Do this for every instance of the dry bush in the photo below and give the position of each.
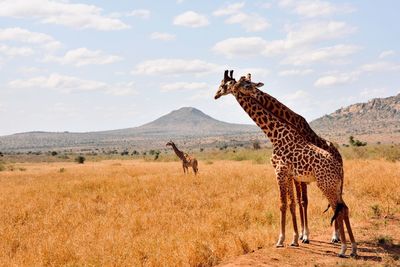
(133, 213)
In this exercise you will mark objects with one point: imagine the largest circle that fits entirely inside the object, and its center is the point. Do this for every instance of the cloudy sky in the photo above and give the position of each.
(74, 65)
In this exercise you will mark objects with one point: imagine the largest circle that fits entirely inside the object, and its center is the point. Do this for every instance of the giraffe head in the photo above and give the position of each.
(245, 86)
(226, 84)
(170, 143)
(229, 85)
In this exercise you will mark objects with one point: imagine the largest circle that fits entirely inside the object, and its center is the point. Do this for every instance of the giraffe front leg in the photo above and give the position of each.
(183, 166)
(304, 203)
(292, 206)
(282, 183)
(298, 197)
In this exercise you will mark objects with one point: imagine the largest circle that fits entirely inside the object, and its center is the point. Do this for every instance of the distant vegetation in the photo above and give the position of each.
(254, 151)
(80, 159)
(355, 142)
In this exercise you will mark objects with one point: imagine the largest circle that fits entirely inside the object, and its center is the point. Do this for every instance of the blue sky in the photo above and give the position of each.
(98, 65)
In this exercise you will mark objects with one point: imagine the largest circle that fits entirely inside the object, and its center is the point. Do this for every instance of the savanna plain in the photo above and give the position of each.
(146, 212)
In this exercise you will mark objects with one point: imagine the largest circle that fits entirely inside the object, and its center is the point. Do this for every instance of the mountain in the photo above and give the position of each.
(378, 120)
(187, 123)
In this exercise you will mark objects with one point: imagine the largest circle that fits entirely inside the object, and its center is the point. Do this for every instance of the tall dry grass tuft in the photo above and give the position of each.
(145, 213)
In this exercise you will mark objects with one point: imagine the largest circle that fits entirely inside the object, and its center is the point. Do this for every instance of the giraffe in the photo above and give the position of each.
(295, 157)
(187, 161)
(283, 112)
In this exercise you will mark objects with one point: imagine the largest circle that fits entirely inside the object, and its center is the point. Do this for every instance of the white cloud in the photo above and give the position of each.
(29, 70)
(315, 8)
(295, 72)
(329, 54)
(184, 86)
(308, 34)
(229, 10)
(240, 47)
(369, 93)
(297, 37)
(15, 51)
(191, 19)
(68, 84)
(250, 22)
(386, 53)
(83, 56)
(25, 36)
(298, 95)
(337, 79)
(81, 16)
(345, 78)
(256, 73)
(381, 66)
(163, 36)
(174, 67)
(139, 13)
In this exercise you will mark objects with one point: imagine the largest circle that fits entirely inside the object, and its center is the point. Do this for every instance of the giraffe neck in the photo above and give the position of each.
(278, 109)
(178, 152)
(277, 131)
(297, 121)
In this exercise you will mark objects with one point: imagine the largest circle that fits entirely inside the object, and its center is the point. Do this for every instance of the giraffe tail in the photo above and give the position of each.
(327, 208)
(338, 208)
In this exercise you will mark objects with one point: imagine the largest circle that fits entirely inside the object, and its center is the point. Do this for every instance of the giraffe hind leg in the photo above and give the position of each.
(350, 232)
(339, 218)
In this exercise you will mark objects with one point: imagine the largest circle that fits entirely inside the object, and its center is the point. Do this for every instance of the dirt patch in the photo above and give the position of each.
(375, 248)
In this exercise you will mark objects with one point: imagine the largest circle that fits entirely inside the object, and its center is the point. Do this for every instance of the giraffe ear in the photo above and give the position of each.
(259, 84)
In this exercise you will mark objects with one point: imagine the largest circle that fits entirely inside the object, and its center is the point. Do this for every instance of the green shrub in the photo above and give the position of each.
(80, 159)
(355, 142)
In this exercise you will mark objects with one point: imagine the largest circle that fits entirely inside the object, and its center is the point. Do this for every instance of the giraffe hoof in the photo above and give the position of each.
(306, 241)
(335, 240)
(279, 245)
(301, 237)
(294, 244)
(353, 255)
(341, 255)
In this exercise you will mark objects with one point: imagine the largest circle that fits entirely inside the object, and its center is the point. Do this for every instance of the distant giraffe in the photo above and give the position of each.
(296, 157)
(187, 161)
(283, 112)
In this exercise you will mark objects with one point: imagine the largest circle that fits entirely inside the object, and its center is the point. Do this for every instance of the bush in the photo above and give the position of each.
(125, 153)
(256, 145)
(80, 159)
(356, 142)
(54, 153)
(157, 154)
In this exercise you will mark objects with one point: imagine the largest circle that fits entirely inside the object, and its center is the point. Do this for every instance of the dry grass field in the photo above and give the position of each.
(139, 213)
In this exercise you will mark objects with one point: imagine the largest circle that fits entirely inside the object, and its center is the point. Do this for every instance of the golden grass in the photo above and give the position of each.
(132, 213)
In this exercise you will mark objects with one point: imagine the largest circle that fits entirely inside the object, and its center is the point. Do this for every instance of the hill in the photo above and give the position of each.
(378, 120)
(187, 123)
